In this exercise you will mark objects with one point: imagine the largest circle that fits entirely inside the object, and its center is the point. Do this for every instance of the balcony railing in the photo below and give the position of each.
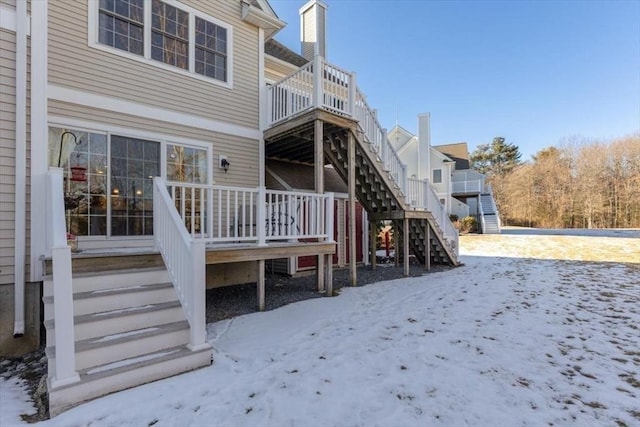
(320, 85)
(466, 187)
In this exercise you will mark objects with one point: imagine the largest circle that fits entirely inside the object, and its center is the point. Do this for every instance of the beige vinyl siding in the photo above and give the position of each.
(242, 153)
(73, 64)
(7, 154)
(275, 70)
(308, 25)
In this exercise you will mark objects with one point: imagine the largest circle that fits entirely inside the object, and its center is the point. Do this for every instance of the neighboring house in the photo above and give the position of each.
(460, 189)
(138, 132)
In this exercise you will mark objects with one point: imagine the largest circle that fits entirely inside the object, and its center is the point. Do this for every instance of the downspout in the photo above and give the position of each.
(21, 168)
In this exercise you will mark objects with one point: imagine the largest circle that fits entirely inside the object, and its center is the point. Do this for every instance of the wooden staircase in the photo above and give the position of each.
(129, 327)
(381, 195)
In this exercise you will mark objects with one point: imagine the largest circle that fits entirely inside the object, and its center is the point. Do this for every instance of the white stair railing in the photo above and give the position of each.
(184, 258)
(65, 353)
(433, 205)
(319, 84)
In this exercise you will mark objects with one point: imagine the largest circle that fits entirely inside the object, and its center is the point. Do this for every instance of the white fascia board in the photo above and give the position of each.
(73, 96)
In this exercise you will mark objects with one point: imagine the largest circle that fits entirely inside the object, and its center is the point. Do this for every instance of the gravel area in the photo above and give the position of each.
(227, 302)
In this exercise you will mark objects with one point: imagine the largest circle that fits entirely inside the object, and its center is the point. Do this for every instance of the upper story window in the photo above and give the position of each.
(164, 33)
(170, 35)
(437, 176)
(211, 50)
(121, 24)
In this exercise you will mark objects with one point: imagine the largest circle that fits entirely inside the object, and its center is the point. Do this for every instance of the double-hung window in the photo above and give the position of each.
(165, 33)
(437, 176)
(121, 24)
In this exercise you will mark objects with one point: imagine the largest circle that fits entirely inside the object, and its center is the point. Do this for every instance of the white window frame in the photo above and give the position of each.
(93, 41)
(109, 130)
(434, 176)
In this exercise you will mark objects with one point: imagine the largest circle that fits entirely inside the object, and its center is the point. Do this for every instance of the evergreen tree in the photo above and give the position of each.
(495, 159)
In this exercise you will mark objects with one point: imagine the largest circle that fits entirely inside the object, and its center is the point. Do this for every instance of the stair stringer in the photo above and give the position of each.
(392, 201)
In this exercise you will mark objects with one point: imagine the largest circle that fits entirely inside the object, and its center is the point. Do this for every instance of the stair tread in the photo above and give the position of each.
(123, 337)
(123, 290)
(130, 364)
(122, 312)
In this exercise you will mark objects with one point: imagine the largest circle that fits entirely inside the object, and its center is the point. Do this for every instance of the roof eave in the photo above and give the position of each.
(261, 19)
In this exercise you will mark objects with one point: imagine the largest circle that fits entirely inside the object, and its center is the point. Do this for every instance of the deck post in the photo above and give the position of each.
(373, 243)
(427, 248)
(328, 279)
(260, 285)
(318, 77)
(352, 95)
(261, 212)
(396, 243)
(352, 208)
(318, 135)
(198, 337)
(405, 244)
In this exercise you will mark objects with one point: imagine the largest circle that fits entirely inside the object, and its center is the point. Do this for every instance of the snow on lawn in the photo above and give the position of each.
(532, 330)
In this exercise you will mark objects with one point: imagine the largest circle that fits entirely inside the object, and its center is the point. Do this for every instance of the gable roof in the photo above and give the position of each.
(457, 152)
(278, 50)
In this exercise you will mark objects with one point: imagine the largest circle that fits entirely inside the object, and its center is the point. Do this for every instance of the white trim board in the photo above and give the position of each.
(9, 20)
(74, 96)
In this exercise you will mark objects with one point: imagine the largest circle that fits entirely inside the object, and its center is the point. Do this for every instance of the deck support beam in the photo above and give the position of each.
(318, 140)
(260, 285)
(373, 240)
(427, 248)
(352, 208)
(328, 275)
(405, 244)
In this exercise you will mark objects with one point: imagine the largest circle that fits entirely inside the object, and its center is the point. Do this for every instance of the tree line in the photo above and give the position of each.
(579, 184)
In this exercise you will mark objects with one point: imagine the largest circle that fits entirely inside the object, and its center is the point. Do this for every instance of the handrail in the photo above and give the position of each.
(184, 258)
(65, 353)
(319, 84)
(467, 186)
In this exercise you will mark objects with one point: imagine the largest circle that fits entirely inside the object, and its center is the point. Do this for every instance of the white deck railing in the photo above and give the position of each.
(319, 84)
(65, 353)
(184, 258)
(219, 214)
(421, 195)
(474, 186)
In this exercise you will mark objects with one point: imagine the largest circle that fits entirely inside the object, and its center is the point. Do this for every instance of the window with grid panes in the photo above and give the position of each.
(170, 35)
(121, 24)
(211, 50)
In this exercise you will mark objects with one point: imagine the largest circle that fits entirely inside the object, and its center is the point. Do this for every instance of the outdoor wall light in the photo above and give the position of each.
(224, 163)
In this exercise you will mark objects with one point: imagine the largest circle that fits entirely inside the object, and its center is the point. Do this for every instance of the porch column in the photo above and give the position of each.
(319, 187)
(405, 244)
(352, 208)
(260, 284)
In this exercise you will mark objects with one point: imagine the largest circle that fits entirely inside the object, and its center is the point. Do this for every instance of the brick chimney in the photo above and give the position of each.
(313, 26)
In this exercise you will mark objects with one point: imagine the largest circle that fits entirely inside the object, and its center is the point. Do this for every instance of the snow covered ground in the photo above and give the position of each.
(534, 329)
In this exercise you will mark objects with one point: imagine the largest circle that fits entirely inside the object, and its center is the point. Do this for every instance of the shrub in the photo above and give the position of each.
(468, 225)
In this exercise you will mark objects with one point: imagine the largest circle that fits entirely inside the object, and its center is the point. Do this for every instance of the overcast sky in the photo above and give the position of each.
(535, 72)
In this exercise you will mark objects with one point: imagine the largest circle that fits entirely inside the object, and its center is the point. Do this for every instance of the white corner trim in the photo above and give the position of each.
(39, 135)
(9, 20)
(262, 106)
(108, 103)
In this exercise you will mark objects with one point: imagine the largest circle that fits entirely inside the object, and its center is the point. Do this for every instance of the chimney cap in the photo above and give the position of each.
(312, 3)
